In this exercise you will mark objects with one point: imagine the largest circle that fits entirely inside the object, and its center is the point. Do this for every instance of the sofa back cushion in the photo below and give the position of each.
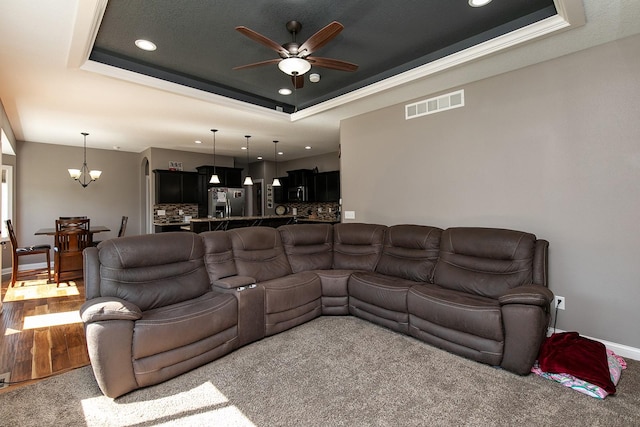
(410, 252)
(259, 253)
(357, 246)
(218, 255)
(485, 261)
(308, 246)
(153, 270)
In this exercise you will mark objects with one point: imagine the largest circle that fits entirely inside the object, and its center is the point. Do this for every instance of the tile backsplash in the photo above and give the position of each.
(172, 212)
(322, 211)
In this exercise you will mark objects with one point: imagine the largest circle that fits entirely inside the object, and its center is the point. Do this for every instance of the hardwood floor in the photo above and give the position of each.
(42, 334)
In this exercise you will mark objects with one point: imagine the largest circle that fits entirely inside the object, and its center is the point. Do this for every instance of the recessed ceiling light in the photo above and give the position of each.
(146, 45)
(284, 91)
(198, 141)
(243, 148)
(478, 3)
(259, 157)
(280, 153)
(308, 147)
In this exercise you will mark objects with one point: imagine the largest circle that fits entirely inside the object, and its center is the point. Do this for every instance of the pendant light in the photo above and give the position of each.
(83, 175)
(248, 180)
(276, 181)
(214, 178)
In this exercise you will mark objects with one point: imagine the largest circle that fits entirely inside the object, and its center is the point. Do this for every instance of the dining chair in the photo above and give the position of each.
(19, 251)
(71, 238)
(123, 227)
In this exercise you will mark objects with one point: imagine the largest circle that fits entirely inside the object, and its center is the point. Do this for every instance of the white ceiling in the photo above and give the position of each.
(51, 93)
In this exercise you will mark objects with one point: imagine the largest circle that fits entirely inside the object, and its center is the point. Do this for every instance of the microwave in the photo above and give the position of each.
(297, 194)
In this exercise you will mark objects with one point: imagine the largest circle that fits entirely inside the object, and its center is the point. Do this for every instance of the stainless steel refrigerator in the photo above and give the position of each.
(225, 202)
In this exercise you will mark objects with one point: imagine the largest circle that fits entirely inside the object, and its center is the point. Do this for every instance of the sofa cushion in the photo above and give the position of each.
(218, 255)
(308, 246)
(484, 261)
(170, 327)
(380, 290)
(153, 270)
(259, 253)
(410, 252)
(291, 291)
(471, 314)
(357, 246)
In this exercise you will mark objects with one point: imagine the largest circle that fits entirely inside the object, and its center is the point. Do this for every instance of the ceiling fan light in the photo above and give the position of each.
(294, 66)
(478, 3)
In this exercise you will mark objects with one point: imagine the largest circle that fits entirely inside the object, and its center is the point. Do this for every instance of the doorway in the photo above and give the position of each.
(257, 196)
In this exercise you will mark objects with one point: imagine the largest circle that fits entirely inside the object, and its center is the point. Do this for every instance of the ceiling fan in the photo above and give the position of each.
(294, 58)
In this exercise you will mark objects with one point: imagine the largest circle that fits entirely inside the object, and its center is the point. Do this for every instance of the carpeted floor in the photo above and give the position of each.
(333, 371)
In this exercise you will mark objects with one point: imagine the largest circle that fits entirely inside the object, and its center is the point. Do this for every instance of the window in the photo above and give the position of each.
(7, 198)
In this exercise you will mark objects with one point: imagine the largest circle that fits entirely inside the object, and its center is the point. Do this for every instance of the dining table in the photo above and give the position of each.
(51, 231)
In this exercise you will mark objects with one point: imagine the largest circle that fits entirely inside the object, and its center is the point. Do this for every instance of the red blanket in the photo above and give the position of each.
(569, 353)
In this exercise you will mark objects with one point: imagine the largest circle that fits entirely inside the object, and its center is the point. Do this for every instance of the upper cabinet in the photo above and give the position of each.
(327, 186)
(176, 186)
(229, 177)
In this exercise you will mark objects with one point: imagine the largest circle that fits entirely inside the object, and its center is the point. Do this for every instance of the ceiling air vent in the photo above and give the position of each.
(434, 105)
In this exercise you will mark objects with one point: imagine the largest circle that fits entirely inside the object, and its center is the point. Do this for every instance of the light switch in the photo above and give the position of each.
(349, 214)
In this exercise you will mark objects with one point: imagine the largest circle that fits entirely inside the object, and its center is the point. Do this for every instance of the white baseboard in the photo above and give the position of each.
(24, 267)
(619, 349)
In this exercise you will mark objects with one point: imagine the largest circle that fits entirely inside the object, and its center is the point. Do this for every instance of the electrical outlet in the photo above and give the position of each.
(4, 379)
(558, 302)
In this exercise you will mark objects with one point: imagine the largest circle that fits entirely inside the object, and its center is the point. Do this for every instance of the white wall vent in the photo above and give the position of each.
(434, 105)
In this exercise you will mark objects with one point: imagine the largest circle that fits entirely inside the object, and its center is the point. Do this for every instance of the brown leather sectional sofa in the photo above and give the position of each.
(162, 304)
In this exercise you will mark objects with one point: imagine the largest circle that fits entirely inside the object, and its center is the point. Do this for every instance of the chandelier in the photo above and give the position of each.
(83, 175)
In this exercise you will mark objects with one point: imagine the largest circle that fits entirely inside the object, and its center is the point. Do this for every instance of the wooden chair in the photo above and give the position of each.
(71, 238)
(123, 228)
(19, 251)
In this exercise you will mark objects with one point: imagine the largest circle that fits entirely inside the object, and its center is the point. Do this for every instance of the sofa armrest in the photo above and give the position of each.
(528, 294)
(234, 282)
(109, 308)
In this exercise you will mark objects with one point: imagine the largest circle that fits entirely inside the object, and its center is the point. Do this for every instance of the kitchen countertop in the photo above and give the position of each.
(240, 218)
(246, 218)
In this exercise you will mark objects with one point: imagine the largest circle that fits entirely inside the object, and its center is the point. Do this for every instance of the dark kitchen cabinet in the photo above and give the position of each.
(176, 186)
(327, 186)
(300, 177)
(229, 177)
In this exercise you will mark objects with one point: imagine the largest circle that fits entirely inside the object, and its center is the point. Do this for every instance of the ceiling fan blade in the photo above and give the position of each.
(333, 64)
(267, 42)
(319, 39)
(257, 64)
(298, 81)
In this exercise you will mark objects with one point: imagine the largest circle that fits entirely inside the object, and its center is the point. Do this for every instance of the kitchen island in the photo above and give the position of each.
(198, 225)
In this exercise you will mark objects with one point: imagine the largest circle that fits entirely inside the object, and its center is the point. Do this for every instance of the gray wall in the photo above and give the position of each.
(44, 190)
(552, 149)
